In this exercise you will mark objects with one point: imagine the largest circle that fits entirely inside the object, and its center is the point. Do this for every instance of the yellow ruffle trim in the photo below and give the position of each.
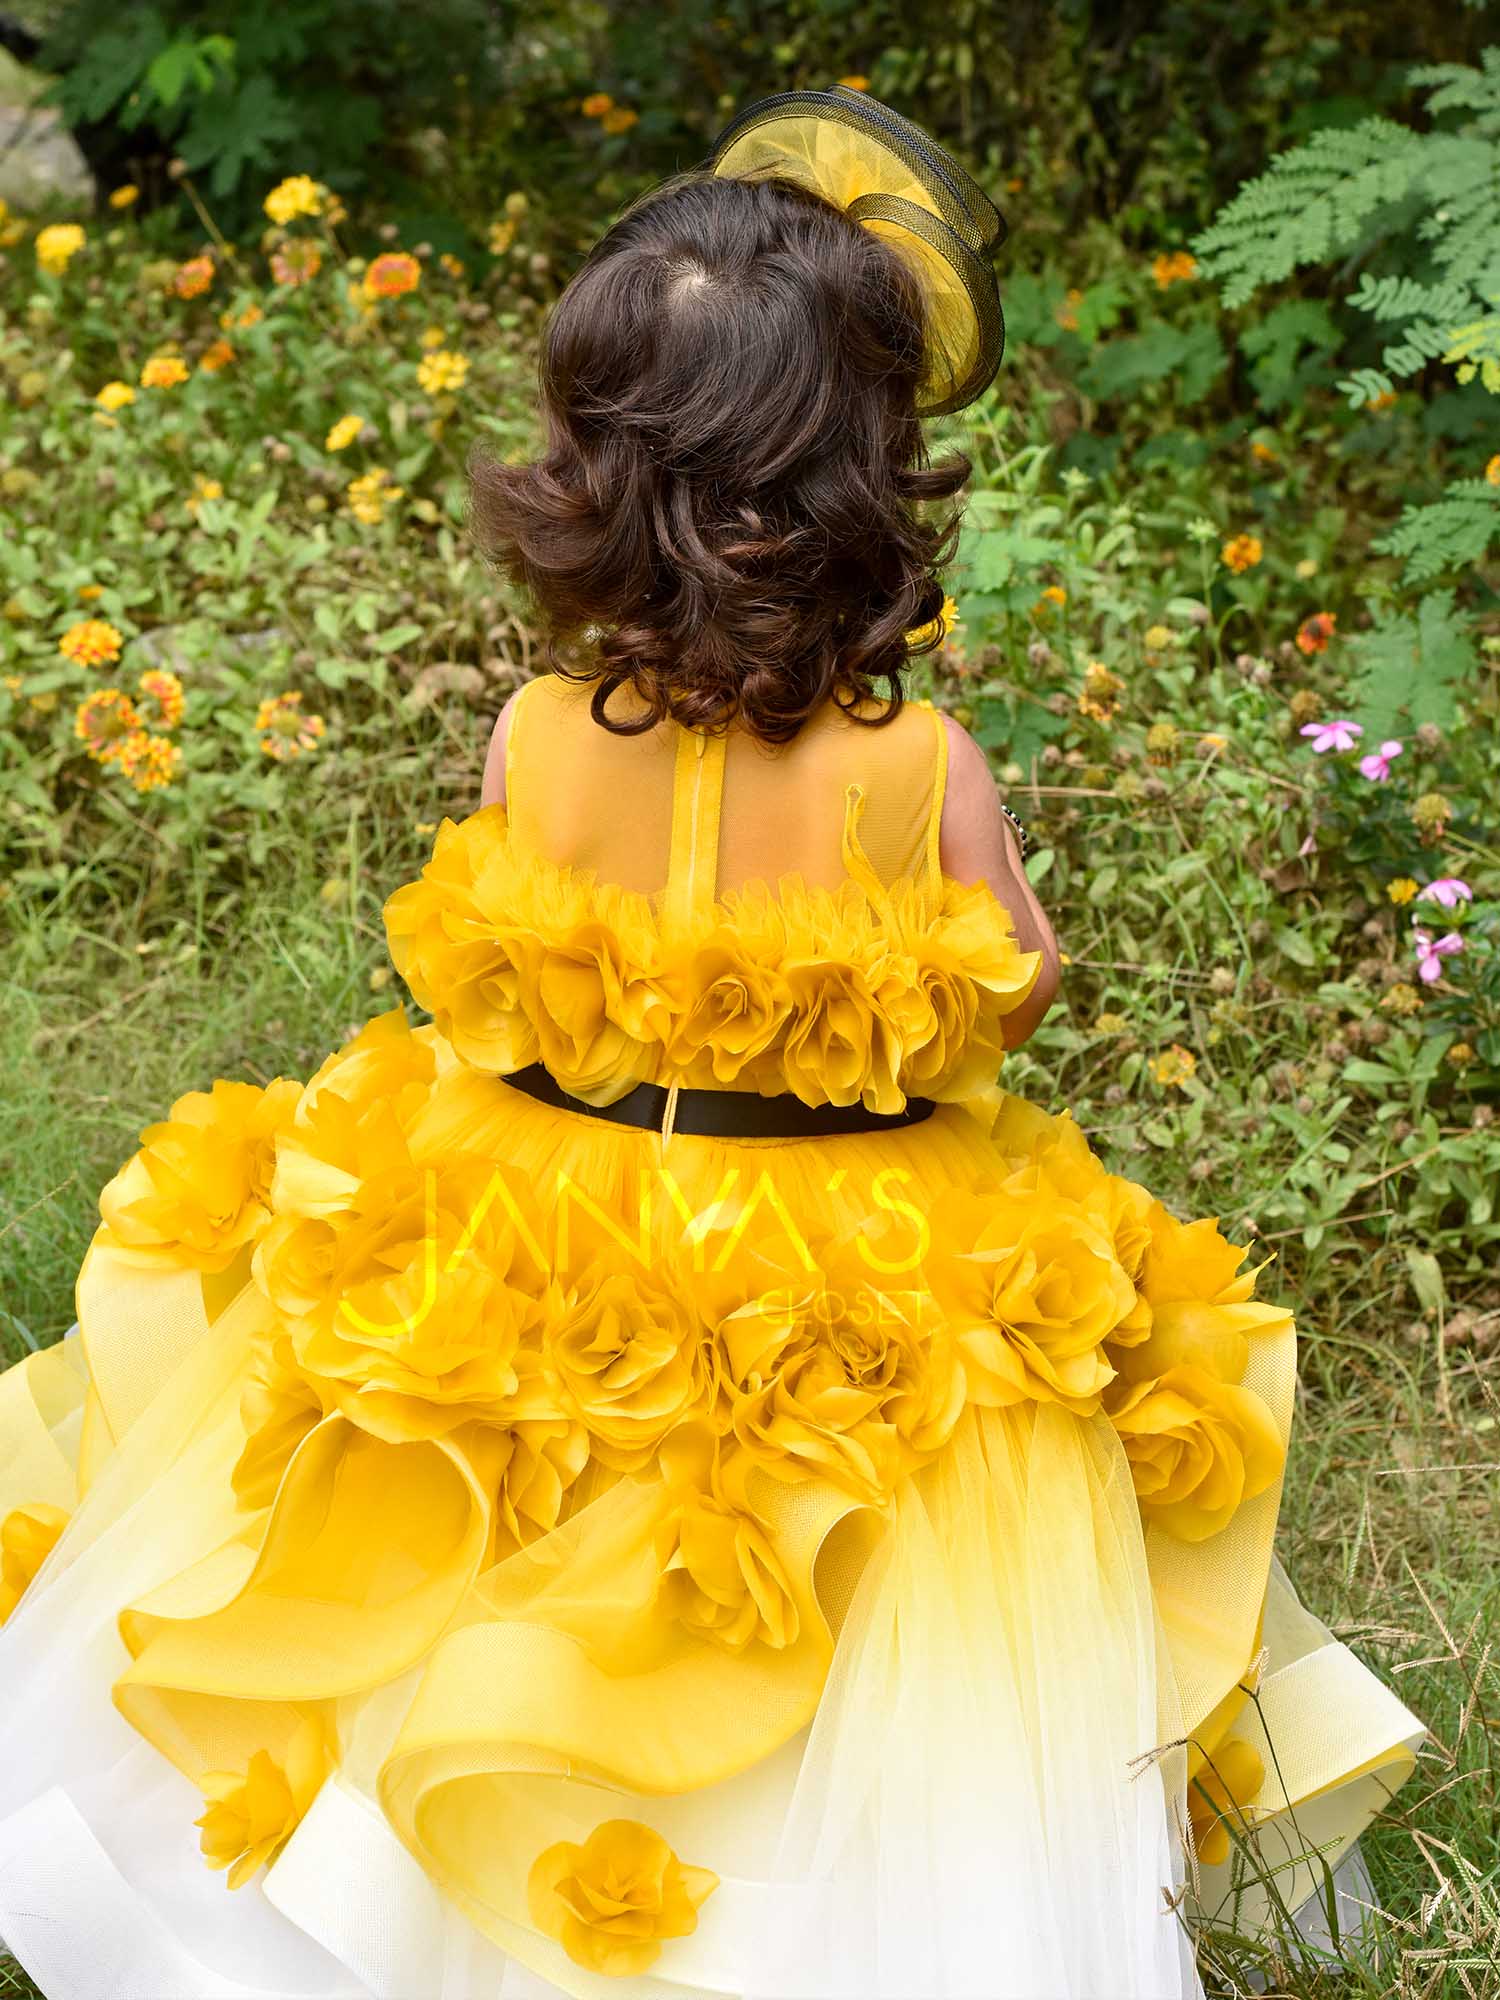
(829, 994)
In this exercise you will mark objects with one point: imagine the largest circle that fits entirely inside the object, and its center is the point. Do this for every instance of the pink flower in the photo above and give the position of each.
(1432, 951)
(1447, 890)
(1377, 766)
(1338, 735)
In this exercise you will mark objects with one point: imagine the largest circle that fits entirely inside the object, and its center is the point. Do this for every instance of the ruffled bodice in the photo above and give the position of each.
(851, 989)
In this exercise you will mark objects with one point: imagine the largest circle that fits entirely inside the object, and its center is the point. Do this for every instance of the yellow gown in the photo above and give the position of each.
(524, 1554)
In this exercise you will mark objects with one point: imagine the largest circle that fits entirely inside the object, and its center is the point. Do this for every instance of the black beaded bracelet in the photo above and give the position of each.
(1021, 833)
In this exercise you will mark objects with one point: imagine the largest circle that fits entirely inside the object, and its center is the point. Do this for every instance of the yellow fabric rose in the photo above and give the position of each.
(28, 1535)
(611, 1902)
(1198, 1449)
(253, 1813)
(1199, 1300)
(199, 1189)
(839, 1046)
(1033, 1289)
(543, 1458)
(278, 1407)
(624, 1349)
(1219, 1789)
(727, 1002)
(720, 1575)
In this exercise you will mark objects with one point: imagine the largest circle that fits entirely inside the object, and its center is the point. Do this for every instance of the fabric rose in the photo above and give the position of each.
(253, 1813)
(28, 1535)
(1033, 1289)
(612, 1902)
(971, 973)
(278, 1407)
(542, 1459)
(1198, 1447)
(720, 1575)
(623, 1347)
(198, 1190)
(727, 1003)
(580, 985)
(1200, 1304)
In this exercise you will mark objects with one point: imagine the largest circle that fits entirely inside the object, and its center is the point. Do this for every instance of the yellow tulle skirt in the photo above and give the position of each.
(984, 1698)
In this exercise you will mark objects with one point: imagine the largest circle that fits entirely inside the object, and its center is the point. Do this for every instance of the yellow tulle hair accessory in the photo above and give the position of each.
(886, 174)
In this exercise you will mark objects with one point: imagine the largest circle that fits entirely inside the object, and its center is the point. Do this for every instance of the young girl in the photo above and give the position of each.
(665, 1481)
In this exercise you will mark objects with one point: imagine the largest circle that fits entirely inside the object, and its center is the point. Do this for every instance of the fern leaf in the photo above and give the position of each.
(1456, 87)
(1366, 385)
(1452, 533)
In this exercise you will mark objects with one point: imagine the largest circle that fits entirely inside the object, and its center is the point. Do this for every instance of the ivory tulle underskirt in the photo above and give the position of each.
(960, 1772)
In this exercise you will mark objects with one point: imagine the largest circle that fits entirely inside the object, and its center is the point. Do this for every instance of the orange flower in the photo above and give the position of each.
(1314, 633)
(103, 721)
(1067, 312)
(620, 119)
(192, 279)
(595, 105)
(854, 83)
(1173, 268)
(1261, 452)
(296, 263)
(454, 266)
(164, 371)
(165, 689)
(392, 275)
(1241, 552)
(214, 357)
(284, 731)
(91, 643)
(1492, 471)
(149, 761)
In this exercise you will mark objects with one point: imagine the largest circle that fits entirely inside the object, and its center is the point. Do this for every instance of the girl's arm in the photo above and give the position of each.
(977, 843)
(492, 791)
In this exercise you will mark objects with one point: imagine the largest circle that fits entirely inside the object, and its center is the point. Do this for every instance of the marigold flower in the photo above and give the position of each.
(1174, 1066)
(1173, 268)
(91, 643)
(296, 263)
(595, 105)
(369, 495)
(441, 371)
(1241, 552)
(218, 354)
(165, 689)
(1102, 689)
(1492, 471)
(391, 275)
(1314, 633)
(203, 489)
(284, 731)
(343, 433)
(164, 371)
(1402, 890)
(620, 119)
(103, 721)
(301, 195)
(150, 762)
(126, 196)
(192, 279)
(57, 246)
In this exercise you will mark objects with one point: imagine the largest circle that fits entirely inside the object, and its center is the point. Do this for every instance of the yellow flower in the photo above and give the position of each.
(89, 593)
(301, 195)
(164, 371)
(1402, 890)
(1054, 594)
(596, 105)
(28, 1536)
(284, 731)
(1100, 698)
(249, 317)
(937, 628)
(433, 336)
(1198, 1449)
(368, 496)
(502, 235)
(203, 489)
(126, 196)
(192, 279)
(613, 1901)
(1174, 1067)
(343, 433)
(1033, 1290)
(720, 1576)
(165, 689)
(251, 1814)
(1261, 452)
(296, 263)
(218, 354)
(1159, 637)
(57, 246)
(91, 643)
(103, 721)
(623, 1349)
(150, 762)
(1492, 470)
(1221, 1784)
(441, 372)
(454, 266)
(392, 275)
(619, 119)
(1173, 268)
(199, 1189)
(1241, 552)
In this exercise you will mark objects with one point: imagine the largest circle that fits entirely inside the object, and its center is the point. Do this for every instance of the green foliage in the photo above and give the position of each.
(1411, 667)
(1447, 534)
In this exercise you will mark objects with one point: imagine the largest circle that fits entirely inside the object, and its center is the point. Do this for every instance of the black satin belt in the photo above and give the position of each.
(721, 1114)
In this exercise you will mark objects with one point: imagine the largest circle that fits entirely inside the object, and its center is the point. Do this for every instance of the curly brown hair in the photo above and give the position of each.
(727, 505)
